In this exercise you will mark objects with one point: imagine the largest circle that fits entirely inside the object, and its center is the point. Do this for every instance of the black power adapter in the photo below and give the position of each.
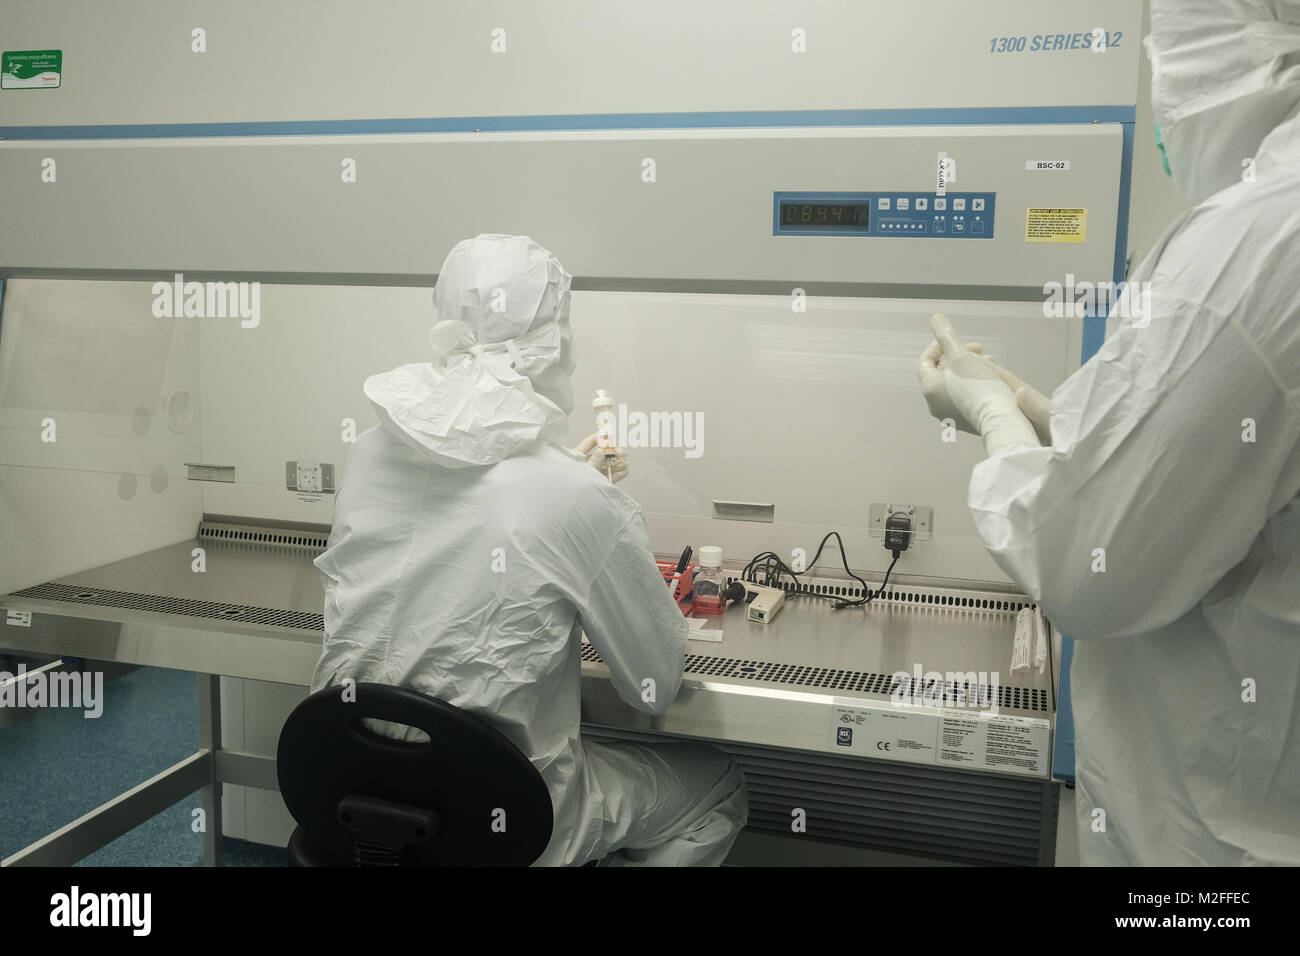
(898, 532)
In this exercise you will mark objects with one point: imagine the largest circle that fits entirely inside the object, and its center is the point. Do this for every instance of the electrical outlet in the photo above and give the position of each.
(309, 476)
(312, 477)
(922, 520)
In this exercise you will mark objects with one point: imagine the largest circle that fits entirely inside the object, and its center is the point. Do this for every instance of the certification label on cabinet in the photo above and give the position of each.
(890, 734)
(1003, 743)
(18, 618)
(969, 739)
(31, 69)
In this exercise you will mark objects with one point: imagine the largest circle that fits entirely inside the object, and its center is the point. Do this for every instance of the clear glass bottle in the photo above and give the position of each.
(710, 584)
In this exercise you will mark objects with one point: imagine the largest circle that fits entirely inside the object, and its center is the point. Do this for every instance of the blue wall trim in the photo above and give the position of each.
(977, 116)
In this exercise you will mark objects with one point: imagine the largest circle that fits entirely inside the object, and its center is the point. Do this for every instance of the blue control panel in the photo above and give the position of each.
(956, 215)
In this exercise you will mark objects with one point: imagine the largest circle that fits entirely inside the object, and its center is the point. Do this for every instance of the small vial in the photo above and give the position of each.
(709, 582)
(603, 455)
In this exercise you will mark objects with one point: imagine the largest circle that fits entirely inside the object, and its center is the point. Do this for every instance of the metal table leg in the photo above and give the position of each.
(210, 740)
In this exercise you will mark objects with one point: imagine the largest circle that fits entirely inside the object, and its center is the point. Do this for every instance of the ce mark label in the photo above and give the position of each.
(844, 738)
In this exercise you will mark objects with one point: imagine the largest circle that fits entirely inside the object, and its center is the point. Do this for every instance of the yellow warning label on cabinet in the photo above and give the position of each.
(1056, 225)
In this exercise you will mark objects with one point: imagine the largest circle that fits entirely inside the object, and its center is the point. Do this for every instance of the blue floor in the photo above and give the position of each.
(56, 765)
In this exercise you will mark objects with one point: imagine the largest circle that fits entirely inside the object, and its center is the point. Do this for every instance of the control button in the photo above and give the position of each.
(977, 204)
(901, 203)
(921, 202)
(959, 227)
(882, 203)
(940, 202)
(977, 228)
(958, 204)
(938, 226)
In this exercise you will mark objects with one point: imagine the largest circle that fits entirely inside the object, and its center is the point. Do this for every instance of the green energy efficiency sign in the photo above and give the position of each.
(31, 69)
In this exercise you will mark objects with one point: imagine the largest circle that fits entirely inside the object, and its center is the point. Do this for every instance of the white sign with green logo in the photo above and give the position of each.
(31, 69)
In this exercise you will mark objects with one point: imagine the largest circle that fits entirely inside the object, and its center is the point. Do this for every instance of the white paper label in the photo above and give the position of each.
(889, 734)
(703, 629)
(1020, 651)
(1005, 744)
(19, 618)
(1047, 164)
(943, 736)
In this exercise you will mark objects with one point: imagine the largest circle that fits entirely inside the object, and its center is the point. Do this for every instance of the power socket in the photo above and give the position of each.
(920, 523)
(311, 477)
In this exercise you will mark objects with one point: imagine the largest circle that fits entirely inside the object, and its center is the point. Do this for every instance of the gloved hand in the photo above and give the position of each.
(1036, 406)
(930, 371)
(973, 387)
(615, 469)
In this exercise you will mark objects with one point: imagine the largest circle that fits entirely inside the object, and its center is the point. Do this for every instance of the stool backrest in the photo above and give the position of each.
(489, 804)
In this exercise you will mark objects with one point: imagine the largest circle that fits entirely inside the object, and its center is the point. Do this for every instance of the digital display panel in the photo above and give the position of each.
(815, 215)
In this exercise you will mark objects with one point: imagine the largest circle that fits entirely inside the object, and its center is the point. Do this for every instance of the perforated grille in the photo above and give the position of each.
(214, 610)
(932, 597)
(959, 693)
(252, 534)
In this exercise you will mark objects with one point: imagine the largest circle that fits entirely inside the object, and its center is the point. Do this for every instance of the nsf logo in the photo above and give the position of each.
(844, 736)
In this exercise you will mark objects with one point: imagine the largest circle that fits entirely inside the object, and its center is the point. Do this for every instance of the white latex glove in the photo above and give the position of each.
(615, 469)
(1036, 406)
(979, 394)
(930, 371)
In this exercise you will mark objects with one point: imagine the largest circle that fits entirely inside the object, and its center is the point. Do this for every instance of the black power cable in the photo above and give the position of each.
(773, 567)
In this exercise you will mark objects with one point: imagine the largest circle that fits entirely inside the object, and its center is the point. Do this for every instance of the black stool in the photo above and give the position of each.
(465, 797)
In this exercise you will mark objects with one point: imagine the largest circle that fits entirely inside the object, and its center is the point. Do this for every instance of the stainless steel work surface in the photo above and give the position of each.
(236, 575)
(255, 612)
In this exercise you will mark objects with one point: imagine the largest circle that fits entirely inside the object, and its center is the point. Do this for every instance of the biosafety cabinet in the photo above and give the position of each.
(215, 225)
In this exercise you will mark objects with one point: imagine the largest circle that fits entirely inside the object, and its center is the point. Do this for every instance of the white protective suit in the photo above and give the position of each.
(1176, 449)
(469, 552)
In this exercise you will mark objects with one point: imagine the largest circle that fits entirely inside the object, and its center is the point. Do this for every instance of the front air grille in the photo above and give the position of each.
(236, 532)
(214, 610)
(953, 693)
(879, 805)
(908, 594)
